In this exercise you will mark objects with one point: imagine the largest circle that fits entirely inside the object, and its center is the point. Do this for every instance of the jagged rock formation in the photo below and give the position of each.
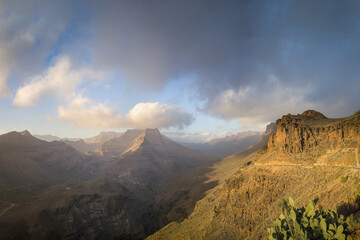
(307, 131)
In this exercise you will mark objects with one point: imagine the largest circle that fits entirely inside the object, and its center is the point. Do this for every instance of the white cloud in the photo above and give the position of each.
(59, 80)
(156, 114)
(27, 36)
(256, 105)
(85, 113)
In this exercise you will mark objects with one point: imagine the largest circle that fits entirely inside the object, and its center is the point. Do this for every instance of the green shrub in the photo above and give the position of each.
(344, 179)
(308, 223)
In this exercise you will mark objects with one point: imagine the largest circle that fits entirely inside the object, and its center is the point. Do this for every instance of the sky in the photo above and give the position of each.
(198, 68)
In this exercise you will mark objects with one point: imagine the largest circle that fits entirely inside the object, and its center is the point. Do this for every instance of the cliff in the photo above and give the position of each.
(312, 130)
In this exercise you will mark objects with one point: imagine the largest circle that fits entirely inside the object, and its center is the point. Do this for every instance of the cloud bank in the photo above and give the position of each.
(252, 60)
(28, 34)
(59, 80)
(84, 113)
(234, 48)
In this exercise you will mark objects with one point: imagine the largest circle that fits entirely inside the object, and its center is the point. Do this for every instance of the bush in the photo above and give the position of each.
(344, 179)
(308, 223)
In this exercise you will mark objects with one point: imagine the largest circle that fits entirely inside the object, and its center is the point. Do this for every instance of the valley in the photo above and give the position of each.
(140, 184)
(179, 120)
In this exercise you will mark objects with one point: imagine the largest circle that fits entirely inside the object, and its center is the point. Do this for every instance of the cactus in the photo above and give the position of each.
(308, 223)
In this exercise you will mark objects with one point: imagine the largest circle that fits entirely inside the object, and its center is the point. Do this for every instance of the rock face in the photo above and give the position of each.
(311, 130)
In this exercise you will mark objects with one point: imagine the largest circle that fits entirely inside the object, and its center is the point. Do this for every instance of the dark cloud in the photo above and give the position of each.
(311, 48)
(253, 60)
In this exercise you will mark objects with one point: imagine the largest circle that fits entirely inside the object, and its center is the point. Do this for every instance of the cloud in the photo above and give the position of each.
(59, 80)
(28, 34)
(258, 104)
(237, 46)
(233, 48)
(83, 112)
(157, 115)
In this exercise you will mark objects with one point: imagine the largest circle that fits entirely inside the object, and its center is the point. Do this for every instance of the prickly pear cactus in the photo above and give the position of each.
(307, 223)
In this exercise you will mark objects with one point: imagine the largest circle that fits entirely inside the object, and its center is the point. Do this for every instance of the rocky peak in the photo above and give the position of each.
(152, 133)
(310, 130)
(313, 114)
(270, 128)
(25, 133)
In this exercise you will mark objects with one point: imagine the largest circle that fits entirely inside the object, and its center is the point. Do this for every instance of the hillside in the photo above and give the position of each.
(247, 187)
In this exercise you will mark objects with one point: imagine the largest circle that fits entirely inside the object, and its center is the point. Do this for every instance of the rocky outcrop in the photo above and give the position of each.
(311, 130)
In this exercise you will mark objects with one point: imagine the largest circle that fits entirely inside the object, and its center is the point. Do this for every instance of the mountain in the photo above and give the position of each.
(81, 146)
(144, 156)
(102, 137)
(48, 190)
(47, 138)
(223, 147)
(308, 155)
(312, 130)
(85, 145)
(25, 159)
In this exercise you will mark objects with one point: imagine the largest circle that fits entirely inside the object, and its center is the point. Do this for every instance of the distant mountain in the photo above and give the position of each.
(25, 159)
(48, 138)
(102, 137)
(85, 145)
(222, 147)
(81, 146)
(144, 155)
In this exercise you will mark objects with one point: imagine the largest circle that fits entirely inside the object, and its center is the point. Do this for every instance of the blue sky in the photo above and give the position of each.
(75, 68)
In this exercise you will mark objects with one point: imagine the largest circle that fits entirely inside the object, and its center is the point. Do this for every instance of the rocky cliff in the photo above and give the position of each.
(312, 130)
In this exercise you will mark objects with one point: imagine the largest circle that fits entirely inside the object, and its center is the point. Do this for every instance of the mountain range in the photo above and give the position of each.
(141, 184)
(223, 147)
(105, 195)
(302, 156)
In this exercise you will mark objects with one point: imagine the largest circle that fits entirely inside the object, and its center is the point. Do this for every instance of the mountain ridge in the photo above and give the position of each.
(250, 185)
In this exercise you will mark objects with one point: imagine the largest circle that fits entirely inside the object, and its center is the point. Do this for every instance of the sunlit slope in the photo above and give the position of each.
(251, 185)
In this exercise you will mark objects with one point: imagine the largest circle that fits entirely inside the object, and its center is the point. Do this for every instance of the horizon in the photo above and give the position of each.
(74, 69)
(180, 137)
